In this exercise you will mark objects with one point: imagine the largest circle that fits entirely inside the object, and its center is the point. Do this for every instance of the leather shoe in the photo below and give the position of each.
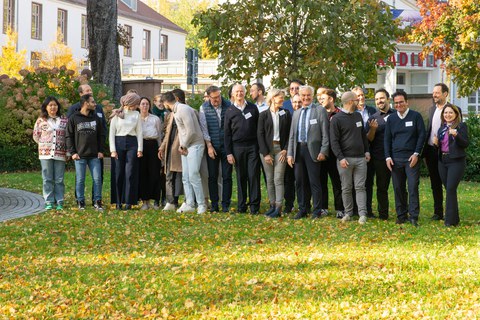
(437, 217)
(288, 209)
(300, 215)
(275, 214)
(270, 211)
(118, 207)
(414, 222)
(128, 207)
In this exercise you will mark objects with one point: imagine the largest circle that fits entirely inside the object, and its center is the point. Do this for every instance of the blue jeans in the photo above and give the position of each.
(192, 182)
(96, 172)
(52, 174)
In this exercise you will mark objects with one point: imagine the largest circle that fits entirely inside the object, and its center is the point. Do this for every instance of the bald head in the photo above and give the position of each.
(349, 101)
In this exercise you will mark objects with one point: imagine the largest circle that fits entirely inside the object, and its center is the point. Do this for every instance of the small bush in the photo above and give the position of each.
(20, 103)
(472, 172)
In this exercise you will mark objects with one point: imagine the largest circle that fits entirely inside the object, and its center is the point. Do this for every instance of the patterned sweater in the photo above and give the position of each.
(49, 134)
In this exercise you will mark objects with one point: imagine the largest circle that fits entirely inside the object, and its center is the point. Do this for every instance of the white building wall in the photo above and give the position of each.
(23, 11)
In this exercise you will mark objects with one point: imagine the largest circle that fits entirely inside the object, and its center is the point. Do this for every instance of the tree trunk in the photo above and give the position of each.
(103, 44)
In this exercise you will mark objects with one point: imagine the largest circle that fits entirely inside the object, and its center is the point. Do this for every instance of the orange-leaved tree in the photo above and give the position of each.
(450, 30)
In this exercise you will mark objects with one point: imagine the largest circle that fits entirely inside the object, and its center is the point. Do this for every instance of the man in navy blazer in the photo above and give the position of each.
(308, 146)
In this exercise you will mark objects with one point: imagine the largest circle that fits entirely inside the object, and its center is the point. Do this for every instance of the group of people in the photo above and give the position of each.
(162, 150)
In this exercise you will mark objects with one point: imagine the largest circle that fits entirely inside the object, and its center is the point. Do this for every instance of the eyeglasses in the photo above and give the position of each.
(294, 88)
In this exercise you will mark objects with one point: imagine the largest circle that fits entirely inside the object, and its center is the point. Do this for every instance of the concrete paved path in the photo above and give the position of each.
(17, 203)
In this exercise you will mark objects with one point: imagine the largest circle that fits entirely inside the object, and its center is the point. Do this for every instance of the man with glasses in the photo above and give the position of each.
(350, 146)
(404, 140)
(212, 115)
(308, 146)
(293, 88)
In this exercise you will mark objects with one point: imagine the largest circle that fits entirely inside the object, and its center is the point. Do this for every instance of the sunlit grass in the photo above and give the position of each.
(146, 264)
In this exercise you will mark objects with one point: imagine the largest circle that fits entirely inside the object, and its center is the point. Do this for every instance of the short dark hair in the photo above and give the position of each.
(400, 93)
(384, 91)
(443, 86)
(300, 82)
(168, 97)
(43, 109)
(149, 103)
(179, 94)
(212, 89)
(84, 99)
(260, 87)
(331, 93)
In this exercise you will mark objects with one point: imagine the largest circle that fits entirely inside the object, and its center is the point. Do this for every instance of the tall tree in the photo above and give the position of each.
(103, 44)
(336, 43)
(450, 30)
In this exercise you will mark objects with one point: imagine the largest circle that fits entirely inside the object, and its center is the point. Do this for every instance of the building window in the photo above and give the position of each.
(163, 47)
(418, 82)
(35, 58)
(132, 4)
(8, 15)
(146, 45)
(474, 102)
(84, 39)
(62, 26)
(36, 21)
(401, 78)
(127, 52)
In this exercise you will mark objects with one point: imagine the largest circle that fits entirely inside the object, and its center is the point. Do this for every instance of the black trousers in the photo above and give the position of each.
(149, 179)
(289, 181)
(329, 168)
(451, 172)
(407, 204)
(213, 170)
(126, 170)
(431, 159)
(307, 177)
(383, 183)
(247, 167)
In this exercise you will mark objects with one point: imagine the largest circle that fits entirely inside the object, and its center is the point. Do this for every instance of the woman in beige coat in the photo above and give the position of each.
(168, 153)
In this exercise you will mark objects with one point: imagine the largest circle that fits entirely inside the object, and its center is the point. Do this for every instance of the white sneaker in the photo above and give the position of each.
(185, 208)
(201, 209)
(169, 207)
(346, 218)
(362, 220)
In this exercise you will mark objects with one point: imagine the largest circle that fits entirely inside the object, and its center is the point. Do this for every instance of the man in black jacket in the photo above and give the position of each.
(85, 142)
(241, 148)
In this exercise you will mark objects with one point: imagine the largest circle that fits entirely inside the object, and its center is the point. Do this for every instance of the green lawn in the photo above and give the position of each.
(150, 264)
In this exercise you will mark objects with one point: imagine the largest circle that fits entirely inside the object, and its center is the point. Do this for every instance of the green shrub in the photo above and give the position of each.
(20, 104)
(472, 172)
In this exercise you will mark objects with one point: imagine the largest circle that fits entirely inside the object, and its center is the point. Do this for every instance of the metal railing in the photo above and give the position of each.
(172, 68)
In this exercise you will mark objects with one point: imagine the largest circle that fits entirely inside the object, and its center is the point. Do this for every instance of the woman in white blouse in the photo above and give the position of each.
(126, 146)
(150, 165)
(49, 134)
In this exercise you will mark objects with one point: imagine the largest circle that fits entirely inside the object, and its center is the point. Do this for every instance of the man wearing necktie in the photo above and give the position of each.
(308, 146)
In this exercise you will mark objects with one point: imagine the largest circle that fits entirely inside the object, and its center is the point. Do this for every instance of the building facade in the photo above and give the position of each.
(39, 23)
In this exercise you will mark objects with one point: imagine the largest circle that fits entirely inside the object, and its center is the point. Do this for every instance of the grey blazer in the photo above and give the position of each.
(317, 136)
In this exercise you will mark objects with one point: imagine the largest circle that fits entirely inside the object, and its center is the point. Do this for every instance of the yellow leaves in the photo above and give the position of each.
(189, 304)
(11, 61)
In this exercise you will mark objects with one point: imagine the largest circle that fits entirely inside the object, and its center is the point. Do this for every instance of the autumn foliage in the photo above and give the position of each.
(450, 31)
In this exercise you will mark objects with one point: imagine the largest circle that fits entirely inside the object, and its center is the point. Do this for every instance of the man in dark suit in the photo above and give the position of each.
(241, 147)
(440, 94)
(308, 146)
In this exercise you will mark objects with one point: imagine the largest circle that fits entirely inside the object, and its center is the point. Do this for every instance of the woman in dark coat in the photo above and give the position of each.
(451, 140)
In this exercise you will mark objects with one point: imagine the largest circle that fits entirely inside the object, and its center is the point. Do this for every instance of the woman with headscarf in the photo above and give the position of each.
(149, 187)
(126, 146)
(49, 134)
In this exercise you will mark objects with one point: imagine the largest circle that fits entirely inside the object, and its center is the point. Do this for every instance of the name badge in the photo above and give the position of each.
(313, 121)
(359, 124)
(248, 115)
(281, 112)
(409, 124)
(99, 115)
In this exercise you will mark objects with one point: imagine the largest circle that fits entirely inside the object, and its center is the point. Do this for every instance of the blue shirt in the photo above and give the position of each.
(307, 122)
